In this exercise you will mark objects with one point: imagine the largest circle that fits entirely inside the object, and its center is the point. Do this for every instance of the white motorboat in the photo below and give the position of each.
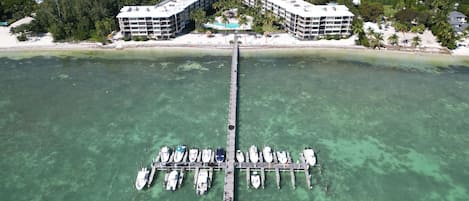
(202, 182)
(165, 153)
(193, 154)
(267, 152)
(239, 156)
(253, 154)
(142, 178)
(310, 156)
(172, 182)
(206, 155)
(282, 157)
(179, 153)
(255, 180)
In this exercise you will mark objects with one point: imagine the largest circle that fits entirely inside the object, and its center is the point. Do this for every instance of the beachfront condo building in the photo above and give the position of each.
(162, 21)
(307, 21)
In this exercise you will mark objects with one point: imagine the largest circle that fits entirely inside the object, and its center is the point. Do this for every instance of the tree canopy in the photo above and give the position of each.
(12, 10)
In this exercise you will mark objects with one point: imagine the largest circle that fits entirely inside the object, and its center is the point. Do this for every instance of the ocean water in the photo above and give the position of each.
(77, 126)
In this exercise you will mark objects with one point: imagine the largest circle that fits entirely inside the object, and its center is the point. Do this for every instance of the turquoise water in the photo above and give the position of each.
(76, 127)
(227, 25)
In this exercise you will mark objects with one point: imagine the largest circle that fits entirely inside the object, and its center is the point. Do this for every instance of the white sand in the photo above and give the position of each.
(428, 39)
(9, 42)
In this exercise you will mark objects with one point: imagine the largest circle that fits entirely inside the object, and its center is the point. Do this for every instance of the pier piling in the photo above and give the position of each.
(292, 175)
(277, 175)
(262, 177)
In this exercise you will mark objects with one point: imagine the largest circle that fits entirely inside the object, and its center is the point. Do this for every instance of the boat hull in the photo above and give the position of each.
(267, 152)
(255, 181)
(253, 154)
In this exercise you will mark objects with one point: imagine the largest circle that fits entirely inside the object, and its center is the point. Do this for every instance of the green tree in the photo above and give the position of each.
(12, 10)
(371, 11)
(199, 18)
(376, 40)
(393, 39)
(243, 20)
(416, 41)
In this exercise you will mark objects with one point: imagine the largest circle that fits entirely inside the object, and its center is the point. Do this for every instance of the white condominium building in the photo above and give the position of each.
(162, 21)
(307, 21)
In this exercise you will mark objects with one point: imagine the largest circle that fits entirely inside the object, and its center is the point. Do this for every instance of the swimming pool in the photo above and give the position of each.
(228, 25)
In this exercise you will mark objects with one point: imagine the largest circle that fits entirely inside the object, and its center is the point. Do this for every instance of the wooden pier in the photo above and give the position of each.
(228, 194)
(230, 165)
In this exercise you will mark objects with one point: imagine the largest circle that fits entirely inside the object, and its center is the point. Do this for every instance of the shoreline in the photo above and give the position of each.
(209, 48)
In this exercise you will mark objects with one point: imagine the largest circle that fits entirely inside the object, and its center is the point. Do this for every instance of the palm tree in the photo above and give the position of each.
(370, 31)
(198, 16)
(393, 39)
(357, 27)
(376, 40)
(416, 41)
(243, 20)
(219, 5)
(224, 20)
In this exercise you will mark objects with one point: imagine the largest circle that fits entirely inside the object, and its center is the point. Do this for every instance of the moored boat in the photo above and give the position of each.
(202, 182)
(220, 155)
(165, 153)
(267, 152)
(282, 157)
(253, 154)
(310, 156)
(255, 180)
(142, 178)
(239, 156)
(206, 155)
(179, 153)
(193, 154)
(172, 182)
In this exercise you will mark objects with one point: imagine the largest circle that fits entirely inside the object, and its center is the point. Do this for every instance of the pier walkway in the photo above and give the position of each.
(228, 194)
(230, 165)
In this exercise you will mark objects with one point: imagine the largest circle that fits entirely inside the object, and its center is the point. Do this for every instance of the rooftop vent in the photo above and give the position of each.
(130, 9)
(296, 5)
(136, 8)
(293, 1)
(325, 9)
(334, 8)
(148, 9)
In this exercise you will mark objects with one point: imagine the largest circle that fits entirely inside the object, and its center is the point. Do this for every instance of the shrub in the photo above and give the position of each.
(22, 37)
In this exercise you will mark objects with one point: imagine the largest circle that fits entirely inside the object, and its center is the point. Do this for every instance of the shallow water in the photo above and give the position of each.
(76, 127)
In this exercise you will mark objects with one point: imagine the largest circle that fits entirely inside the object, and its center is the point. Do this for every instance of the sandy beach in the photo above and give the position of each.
(8, 42)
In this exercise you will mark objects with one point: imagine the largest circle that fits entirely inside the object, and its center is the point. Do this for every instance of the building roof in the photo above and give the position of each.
(166, 8)
(306, 9)
(456, 14)
(457, 24)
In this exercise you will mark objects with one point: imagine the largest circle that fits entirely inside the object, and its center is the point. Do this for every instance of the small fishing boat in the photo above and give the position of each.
(282, 157)
(142, 178)
(173, 179)
(179, 153)
(206, 155)
(165, 153)
(255, 180)
(310, 156)
(202, 182)
(220, 155)
(267, 152)
(193, 154)
(239, 156)
(253, 154)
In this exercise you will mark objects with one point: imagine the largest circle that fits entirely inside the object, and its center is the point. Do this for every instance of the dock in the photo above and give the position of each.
(229, 166)
(228, 194)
